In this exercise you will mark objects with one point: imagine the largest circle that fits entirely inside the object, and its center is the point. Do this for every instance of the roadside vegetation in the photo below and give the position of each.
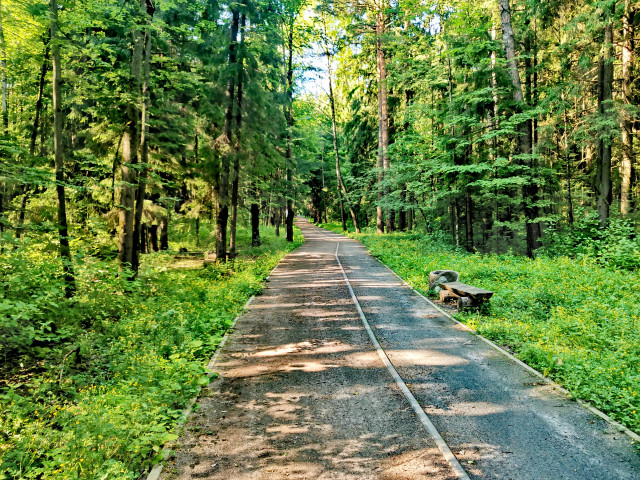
(572, 318)
(92, 386)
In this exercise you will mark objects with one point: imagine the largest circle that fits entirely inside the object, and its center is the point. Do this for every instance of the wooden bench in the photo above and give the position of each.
(466, 295)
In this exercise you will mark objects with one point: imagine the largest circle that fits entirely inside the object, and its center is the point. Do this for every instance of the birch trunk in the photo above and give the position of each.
(628, 77)
(530, 190)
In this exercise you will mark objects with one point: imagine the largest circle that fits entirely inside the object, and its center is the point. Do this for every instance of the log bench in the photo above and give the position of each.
(466, 295)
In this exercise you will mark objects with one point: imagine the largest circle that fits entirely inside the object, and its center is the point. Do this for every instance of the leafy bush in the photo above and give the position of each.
(617, 246)
(36, 320)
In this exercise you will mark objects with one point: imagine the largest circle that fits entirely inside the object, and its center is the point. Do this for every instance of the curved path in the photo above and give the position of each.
(303, 394)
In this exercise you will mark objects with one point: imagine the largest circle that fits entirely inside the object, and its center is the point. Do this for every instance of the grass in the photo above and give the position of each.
(575, 321)
(104, 410)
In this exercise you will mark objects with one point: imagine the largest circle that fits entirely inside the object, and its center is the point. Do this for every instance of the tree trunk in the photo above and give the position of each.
(255, 221)
(144, 238)
(65, 250)
(605, 108)
(222, 196)
(383, 117)
(153, 237)
(402, 213)
(568, 161)
(468, 200)
(3, 74)
(289, 159)
(131, 143)
(144, 136)
(343, 217)
(324, 193)
(335, 146)
(236, 158)
(628, 77)
(530, 190)
(453, 220)
(163, 233)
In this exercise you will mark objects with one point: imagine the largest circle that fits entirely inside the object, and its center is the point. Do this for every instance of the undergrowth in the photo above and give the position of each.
(117, 364)
(574, 320)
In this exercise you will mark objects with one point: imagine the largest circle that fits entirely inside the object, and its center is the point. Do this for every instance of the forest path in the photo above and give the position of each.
(303, 394)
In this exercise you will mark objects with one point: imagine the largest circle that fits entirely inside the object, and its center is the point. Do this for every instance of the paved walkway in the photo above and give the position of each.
(303, 394)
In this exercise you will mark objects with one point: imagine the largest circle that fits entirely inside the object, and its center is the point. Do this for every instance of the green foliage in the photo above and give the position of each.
(104, 408)
(575, 321)
(617, 246)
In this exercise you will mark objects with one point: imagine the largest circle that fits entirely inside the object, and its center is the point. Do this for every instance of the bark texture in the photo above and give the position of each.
(383, 117)
(3, 74)
(222, 194)
(525, 134)
(65, 250)
(605, 108)
(289, 159)
(628, 78)
(144, 137)
(237, 148)
(130, 157)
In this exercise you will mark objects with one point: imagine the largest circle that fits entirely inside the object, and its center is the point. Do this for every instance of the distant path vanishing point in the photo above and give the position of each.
(303, 393)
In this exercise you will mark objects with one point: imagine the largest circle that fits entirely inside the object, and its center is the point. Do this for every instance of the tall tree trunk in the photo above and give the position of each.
(530, 190)
(255, 218)
(131, 143)
(335, 146)
(343, 217)
(3, 74)
(453, 220)
(628, 77)
(153, 237)
(65, 250)
(163, 231)
(236, 157)
(324, 194)
(222, 196)
(468, 207)
(605, 108)
(289, 159)
(568, 161)
(144, 136)
(402, 213)
(383, 117)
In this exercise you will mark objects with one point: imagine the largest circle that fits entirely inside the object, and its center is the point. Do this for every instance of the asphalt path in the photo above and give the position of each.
(302, 392)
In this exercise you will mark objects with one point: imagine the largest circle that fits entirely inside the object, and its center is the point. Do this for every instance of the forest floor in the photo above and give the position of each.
(302, 392)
